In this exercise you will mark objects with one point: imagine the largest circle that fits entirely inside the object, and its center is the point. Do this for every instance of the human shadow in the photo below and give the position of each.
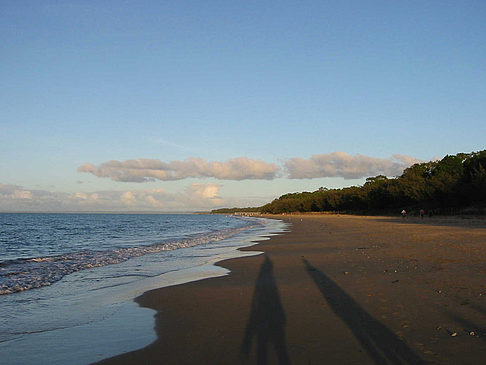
(381, 344)
(478, 308)
(468, 325)
(267, 319)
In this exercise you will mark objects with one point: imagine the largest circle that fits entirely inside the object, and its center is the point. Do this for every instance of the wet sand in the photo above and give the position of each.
(334, 290)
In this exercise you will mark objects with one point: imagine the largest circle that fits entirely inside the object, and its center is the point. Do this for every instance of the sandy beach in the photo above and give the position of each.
(334, 290)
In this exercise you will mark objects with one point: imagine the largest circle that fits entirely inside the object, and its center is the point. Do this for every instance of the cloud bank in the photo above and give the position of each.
(341, 164)
(335, 164)
(196, 196)
(143, 170)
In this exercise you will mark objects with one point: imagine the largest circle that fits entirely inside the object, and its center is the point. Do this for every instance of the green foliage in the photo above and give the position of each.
(236, 210)
(454, 182)
(473, 179)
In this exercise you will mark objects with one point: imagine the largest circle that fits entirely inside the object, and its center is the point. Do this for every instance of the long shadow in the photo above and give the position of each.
(381, 344)
(479, 308)
(267, 319)
(468, 325)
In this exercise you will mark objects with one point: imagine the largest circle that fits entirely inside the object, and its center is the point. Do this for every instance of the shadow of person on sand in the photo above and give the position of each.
(470, 327)
(267, 319)
(381, 344)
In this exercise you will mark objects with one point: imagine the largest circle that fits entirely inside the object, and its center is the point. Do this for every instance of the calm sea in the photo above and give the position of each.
(67, 281)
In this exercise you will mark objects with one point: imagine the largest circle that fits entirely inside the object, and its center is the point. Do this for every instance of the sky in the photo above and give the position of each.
(194, 105)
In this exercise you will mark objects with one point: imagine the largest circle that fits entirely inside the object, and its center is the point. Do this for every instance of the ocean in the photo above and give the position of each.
(67, 281)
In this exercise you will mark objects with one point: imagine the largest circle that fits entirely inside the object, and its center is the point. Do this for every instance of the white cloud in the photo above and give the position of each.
(200, 194)
(335, 164)
(14, 192)
(195, 197)
(128, 199)
(22, 194)
(341, 164)
(204, 191)
(82, 196)
(143, 170)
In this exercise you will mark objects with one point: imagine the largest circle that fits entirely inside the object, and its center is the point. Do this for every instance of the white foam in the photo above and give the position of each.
(24, 274)
(89, 315)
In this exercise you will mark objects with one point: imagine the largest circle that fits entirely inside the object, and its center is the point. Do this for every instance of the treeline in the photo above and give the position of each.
(451, 185)
(236, 210)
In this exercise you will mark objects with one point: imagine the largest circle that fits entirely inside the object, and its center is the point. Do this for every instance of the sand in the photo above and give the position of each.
(334, 290)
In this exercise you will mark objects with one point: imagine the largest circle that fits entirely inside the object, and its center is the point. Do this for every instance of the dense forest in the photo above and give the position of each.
(455, 184)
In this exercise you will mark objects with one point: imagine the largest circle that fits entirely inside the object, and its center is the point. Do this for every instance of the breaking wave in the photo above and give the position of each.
(29, 273)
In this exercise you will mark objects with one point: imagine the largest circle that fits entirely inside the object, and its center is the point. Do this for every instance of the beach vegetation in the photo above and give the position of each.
(453, 184)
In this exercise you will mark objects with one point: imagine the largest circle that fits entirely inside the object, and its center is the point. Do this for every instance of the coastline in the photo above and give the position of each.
(91, 315)
(334, 289)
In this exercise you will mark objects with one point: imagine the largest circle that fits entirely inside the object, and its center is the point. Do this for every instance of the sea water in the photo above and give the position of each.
(67, 281)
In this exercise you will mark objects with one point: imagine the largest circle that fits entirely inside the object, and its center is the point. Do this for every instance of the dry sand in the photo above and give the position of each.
(334, 290)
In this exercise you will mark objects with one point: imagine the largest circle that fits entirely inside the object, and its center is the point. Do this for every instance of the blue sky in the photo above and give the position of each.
(87, 82)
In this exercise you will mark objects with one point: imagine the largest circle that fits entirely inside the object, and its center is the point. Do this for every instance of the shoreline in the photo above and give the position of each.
(92, 313)
(334, 289)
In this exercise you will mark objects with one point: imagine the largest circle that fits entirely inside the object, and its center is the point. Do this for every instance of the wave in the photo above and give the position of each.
(29, 273)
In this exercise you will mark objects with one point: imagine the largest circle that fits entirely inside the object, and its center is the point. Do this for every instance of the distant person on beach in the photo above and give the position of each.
(422, 212)
(404, 213)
